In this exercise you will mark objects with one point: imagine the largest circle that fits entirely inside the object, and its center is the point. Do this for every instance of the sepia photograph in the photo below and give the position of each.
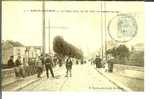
(72, 46)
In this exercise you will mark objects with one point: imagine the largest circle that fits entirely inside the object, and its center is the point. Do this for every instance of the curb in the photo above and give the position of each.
(21, 85)
(120, 85)
(12, 82)
(24, 85)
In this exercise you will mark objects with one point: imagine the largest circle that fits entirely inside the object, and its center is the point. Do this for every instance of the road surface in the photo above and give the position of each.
(84, 78)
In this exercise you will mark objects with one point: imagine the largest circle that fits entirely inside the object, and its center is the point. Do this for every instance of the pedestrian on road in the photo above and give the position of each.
(110, 64)
(20, 68)
(106, 66)
(42, 59)
(98, 62)
(69, 66)
(48, 66)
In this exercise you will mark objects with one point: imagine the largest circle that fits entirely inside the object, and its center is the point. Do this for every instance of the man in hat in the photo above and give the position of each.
(69, 67)
(11, 62)
(48, 66)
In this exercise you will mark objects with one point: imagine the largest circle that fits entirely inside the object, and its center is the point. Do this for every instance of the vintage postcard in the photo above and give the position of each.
(72, 45)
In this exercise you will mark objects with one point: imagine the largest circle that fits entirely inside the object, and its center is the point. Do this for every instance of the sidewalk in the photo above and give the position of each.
(125, 83)
(20, 83)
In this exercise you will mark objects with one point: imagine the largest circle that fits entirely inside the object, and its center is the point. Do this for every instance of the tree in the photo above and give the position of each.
(63, 48)
(121, 52)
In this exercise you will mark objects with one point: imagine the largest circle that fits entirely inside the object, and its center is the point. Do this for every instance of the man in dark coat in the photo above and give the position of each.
(42, 59)
(98, 62)
(11, 62)
(48, 64)
(68, 66)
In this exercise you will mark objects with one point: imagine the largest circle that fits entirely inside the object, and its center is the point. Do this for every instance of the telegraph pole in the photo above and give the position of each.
(43, 27)
(49, 37)
(105, 30)
(101, 33)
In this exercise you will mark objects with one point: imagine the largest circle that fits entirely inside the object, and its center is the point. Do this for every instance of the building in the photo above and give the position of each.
(32, 51)
(26, 52)
(7, 51)
(10, 50)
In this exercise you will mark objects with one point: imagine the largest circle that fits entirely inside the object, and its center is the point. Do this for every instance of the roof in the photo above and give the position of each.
(12, 43)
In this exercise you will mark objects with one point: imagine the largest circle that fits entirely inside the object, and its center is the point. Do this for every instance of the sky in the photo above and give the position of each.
(83, 29)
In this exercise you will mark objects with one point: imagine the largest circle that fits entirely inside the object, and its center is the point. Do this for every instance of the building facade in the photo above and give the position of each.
(26, 52)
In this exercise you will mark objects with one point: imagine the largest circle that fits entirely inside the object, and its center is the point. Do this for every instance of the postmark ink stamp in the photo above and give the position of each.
(122, 28)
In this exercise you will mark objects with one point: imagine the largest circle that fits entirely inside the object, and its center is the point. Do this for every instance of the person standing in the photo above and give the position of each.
(20, 66)
(39, 68)
(106, 66)
(42, 59)
(69, 67)
(48, 66)
(110, 64)
(98, 62)
(11, 64)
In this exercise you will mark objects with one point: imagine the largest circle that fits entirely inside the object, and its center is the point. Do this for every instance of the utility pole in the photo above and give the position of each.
(105, 30)
(49, 37)
(43, 27)
(101, 33)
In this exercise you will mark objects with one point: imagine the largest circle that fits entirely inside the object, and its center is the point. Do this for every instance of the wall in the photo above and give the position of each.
(8, 76)
(129, 71)
(120, 67)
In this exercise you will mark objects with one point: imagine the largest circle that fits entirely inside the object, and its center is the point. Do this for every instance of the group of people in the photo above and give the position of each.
(17, 65)
(41, 62)
(47, 61)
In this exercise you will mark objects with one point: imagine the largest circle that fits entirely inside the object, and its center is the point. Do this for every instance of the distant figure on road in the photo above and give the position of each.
(106, 66)
(69, 66)
(20, 68)
(48, 66)
(110, 64)
(60, 62)
(42, 59)
(55, 60)
(77, 62)
(98, 62)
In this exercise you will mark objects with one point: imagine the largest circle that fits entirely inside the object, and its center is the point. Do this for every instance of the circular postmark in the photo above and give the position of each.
(122, 28)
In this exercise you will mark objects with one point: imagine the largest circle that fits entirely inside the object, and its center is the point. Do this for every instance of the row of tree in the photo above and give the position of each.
(122, 55)
(120, 52)
(63, 48)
